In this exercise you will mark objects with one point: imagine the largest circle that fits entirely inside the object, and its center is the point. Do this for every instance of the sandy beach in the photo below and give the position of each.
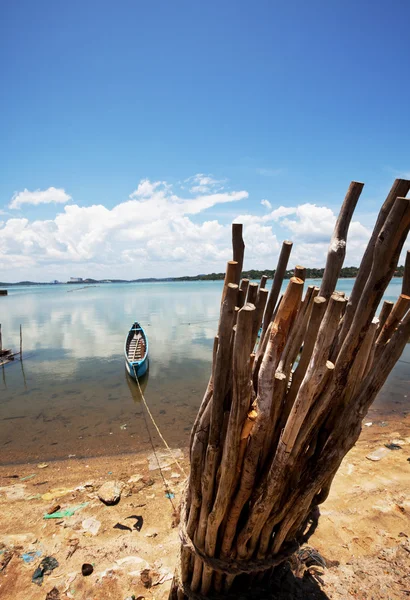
(363, 533)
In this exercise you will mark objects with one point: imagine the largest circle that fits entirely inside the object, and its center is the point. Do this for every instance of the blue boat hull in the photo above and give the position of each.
(136, 368)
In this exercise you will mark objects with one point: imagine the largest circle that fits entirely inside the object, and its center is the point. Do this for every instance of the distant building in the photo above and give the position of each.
(75, 280)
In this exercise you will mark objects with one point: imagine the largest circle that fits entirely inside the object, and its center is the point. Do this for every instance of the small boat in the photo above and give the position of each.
(136, 351)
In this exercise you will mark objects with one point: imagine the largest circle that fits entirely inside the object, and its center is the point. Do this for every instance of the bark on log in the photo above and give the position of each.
(399, 188)
(406, 277)
(263, 281)
(384, 313)
(230, 276)
(300, 272)
(337, 248)
(277, 284)
(263, 454)
(238, 247)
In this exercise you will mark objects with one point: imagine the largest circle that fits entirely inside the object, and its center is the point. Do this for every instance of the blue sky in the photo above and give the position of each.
(272, 101)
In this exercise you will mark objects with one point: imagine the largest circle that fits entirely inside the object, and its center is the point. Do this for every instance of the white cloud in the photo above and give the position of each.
(203, 184)
(158, 233)
(266, 204)
(48, 196)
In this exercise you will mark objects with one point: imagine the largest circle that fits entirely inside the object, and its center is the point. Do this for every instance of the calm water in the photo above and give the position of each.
(73, 395)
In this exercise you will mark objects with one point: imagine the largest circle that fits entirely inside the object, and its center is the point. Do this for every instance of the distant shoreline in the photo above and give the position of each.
(252, 274)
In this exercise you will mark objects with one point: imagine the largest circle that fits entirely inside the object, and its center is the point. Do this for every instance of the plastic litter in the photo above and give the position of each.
(68, 512)
(55, 493)
(27, 477)
(378, 454)
(392, 446)
(169, 495)
(47, 565)
(42, 465)
(91, 525)
(30, 557)
(53, 594)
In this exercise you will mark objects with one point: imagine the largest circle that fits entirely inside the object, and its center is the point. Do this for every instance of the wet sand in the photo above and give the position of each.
(363, 531)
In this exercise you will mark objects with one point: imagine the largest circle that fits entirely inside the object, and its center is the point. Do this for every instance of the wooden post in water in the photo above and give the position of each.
(1, 340)
(21, 343)
(272, 430)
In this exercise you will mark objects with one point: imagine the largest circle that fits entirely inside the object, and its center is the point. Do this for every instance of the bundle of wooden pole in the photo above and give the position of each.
(280, 412)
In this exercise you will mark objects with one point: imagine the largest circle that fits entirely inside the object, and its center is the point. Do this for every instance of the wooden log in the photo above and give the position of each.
(265, 494)
(372, 351)
(241, 399)
(318, 311)
(300, 272)
(207, 396)
(399, 189)
(230, 276)
(337, 248)
(238, 248)
(261, 299)
(399, 310)
(244, 286)
(406, 277)
(358, 367)
(294, 342)
(386, 252)
(273, 430)
(316, 371)
(252, 293)
(384, 313)
(220, 374)
(242, 292)
(263, 281)
(266, 387)
(277, 284)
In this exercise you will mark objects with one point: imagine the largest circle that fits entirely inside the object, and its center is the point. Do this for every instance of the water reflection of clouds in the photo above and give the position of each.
(64, 327)
(93, 323)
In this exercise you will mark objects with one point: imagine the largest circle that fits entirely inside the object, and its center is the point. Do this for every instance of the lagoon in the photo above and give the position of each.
(71, 395)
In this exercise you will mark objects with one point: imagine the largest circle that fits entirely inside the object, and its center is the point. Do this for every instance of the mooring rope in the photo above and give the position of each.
(157, 428)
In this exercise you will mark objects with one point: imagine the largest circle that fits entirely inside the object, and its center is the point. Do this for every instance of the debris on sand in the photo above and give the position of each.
(91, 525)
(87, 569)
(47, 565)
(73, 544)
(55, 493)
(378, 454)
(67, 512)
(5, 559)
(110, 492)
(393, 446)
(54, 594)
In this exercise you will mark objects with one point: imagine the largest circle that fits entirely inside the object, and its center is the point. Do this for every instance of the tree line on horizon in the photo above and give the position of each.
(253, 274)
(312, 273)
